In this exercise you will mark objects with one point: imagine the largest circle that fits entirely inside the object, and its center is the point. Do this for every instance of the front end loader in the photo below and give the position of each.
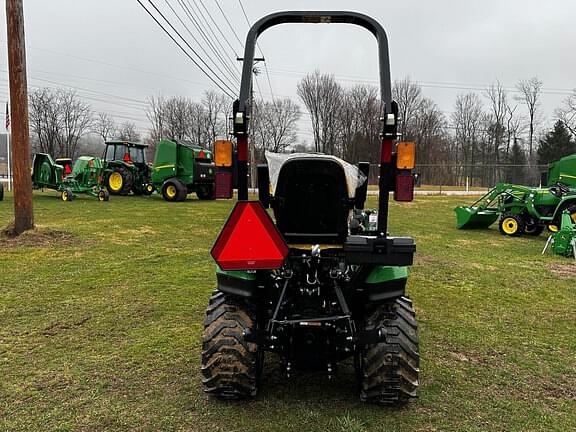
(323, 281)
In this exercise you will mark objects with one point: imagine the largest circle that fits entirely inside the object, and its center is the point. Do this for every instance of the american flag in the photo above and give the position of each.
(7, 117)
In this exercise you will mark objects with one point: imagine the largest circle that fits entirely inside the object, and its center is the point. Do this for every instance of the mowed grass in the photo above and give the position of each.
(100, 329)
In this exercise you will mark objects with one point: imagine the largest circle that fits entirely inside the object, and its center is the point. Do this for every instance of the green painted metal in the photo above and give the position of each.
(137, 165)
(563, 170)
(179, 159)
(564, 241)
(237, 274)
(86, 176)
(381, 274)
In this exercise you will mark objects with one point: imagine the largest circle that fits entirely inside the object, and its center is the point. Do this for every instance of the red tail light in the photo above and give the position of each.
(201, 155)
(404, 190)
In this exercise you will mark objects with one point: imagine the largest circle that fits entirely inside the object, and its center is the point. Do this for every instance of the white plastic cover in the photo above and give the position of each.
(354, 177)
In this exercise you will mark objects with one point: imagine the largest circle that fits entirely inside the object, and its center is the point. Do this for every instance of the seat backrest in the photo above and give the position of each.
(311, 203)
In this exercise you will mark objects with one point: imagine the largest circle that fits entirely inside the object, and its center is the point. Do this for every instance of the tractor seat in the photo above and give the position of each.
(311, 202)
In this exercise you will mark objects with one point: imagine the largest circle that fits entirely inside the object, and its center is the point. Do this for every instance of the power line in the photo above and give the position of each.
(229, 25)
(203, 22)
(216, 26)
(261, 53)
(229, 74)
(186, 52)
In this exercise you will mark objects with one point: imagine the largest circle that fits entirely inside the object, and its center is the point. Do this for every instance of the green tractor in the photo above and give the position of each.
(522, 209)
(127, 169)
(324, 282)
(85, 177)
(181, 168)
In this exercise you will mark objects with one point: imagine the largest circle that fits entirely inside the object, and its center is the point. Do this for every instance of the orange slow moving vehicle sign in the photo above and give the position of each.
(249, 240)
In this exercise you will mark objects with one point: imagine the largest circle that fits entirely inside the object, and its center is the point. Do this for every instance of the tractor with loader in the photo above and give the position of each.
(320, 283)
(523, 209)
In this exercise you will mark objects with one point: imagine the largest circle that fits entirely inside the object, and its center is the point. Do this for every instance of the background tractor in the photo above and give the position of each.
(522, 209)
(181, 168)
(127, 169)
(84, 178)
(320, 284)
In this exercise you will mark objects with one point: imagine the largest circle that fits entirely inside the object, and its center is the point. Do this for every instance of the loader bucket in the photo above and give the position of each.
(474, 217)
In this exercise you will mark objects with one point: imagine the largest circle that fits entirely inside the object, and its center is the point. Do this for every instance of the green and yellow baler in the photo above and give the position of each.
(181, 168)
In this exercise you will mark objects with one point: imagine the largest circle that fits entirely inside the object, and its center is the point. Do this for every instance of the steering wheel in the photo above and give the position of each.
(559, 190)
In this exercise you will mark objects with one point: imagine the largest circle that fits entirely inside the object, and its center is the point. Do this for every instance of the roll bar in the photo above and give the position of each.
(241, 107)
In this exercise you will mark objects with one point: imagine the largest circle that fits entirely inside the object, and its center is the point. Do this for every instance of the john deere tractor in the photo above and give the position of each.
(127, 169)
(523, 209)
(323, 281)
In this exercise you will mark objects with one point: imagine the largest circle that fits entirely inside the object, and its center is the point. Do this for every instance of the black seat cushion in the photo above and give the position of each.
(311, 202)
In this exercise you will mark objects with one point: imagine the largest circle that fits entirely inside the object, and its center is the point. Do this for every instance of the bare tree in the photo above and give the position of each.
(127, 132)
(567, 113)
(216, 107)
(322, 96)
(104, 126)
(408, 94)
(58, 120)
(467, 121)
(45, 122)
(499, 111)
(274, 124)
(530, 90)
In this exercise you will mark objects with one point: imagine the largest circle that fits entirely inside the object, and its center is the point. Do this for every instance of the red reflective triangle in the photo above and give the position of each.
(249, 240)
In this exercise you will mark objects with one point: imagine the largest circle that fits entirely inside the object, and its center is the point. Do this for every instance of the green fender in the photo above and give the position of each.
(384, 283)
(237, 282)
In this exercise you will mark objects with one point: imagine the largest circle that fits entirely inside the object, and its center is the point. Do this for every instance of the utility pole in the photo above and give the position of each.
(23, 212)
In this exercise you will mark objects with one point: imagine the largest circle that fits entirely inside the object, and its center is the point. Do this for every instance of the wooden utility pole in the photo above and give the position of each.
(23, 212)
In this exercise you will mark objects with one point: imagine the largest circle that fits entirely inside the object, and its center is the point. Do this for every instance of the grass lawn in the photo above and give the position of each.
(100, 328)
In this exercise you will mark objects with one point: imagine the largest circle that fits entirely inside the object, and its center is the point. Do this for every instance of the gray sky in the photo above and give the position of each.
(116, 56)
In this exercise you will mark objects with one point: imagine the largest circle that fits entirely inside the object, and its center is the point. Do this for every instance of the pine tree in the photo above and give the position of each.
(556, 144)
(517, 158)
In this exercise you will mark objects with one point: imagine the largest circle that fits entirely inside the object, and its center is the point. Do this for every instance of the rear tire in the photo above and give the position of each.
(389, 370)
(231, 361)
(174, 190)
(1, 192)
(206, 192)
(120, 181)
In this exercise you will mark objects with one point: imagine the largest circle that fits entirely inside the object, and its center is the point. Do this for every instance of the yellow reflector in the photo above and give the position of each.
(405, 155)
(223, 153)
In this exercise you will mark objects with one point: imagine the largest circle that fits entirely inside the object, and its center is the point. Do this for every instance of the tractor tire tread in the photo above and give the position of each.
(390, 369)
(229, 361)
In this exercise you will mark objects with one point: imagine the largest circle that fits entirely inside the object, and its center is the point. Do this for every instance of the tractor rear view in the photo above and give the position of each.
(323, 282)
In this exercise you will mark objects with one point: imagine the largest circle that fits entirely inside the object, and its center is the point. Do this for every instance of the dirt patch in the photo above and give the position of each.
(564, 271)
(38, 237)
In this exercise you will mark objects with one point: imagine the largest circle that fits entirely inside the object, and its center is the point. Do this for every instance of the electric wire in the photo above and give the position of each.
(206, 28)
(222, 86)
(230, 74)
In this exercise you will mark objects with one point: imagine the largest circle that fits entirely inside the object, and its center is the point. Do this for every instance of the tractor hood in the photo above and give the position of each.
(354, 177)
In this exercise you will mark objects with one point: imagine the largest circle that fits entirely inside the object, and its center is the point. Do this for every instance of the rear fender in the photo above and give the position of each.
(237, 282)
(385, 282)
(565, 202)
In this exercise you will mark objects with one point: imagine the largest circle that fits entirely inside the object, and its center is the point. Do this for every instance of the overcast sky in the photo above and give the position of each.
(114, 54)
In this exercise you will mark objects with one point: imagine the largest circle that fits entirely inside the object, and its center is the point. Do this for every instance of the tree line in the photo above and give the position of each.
(488, 137)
